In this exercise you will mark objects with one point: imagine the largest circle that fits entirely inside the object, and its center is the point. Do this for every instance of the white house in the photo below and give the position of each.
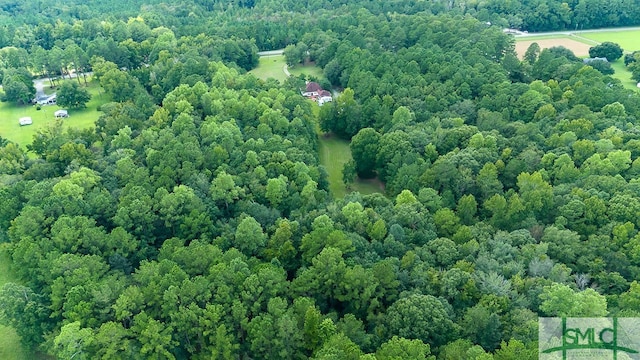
(324, 97)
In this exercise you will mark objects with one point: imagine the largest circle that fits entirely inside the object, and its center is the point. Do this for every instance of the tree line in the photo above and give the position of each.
(276, 24)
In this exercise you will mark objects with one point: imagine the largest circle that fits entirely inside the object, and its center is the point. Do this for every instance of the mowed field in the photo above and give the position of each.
(23, 135)
(334, 153)
(579, 48)
(629, 40)
(270, 67)
(308, 69)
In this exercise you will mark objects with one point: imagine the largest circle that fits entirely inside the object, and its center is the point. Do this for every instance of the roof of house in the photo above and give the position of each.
(588, 60)
(324, 93)
(313, 86)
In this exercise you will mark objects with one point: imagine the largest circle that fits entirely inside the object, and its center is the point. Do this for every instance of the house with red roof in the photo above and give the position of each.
(314, 91)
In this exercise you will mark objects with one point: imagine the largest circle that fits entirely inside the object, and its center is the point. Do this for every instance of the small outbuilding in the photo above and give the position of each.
(25, 121)
(61, 114)
(588, 60)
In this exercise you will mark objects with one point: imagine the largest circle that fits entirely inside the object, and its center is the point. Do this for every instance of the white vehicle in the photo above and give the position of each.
(61, 114)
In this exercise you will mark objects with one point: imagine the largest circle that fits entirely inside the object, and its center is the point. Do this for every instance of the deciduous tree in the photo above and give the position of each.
(72, 95)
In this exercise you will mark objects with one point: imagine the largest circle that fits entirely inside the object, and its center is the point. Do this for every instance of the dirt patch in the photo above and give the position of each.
(578, 48)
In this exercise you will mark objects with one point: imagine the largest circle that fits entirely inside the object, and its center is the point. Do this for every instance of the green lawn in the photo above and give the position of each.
(23, 135)
(270, 67)
(629, 40)
(10, 347)
(622, 74)
(334, 153)
(309, 69)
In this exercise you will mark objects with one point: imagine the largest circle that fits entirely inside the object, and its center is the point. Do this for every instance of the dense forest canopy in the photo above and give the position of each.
(195, 221)
(274, 24)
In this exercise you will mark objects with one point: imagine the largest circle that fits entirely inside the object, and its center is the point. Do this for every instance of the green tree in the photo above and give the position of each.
(73, 342)
(25, 311)
(561, 300)
(609, 50)
(399, 348)
(295, 54)
(483, 327)
(276, 190)
(71, 95)
(323, 235)
(515, 349)
(463, 349)
(12, 159)
(224, 191)
(603, 66)
(154, 337)
(113, 341)
(342, 116)
(531, 55)
(467, 208)
(349, 173)
(18, 86)
(119, 85)
(634, 67)
(364, 149)
(420, 317)
(536, 193)
(338, 347)
(249, 237)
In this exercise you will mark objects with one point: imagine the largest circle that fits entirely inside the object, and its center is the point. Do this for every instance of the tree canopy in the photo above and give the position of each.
(195, 219)
(609, 50)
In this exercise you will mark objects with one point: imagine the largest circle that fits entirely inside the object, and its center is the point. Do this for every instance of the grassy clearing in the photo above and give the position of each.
(23, 135)
(622, 74)
(629, 40)
(334, 153)
(270, 67)
(10, 347)
(308, 69)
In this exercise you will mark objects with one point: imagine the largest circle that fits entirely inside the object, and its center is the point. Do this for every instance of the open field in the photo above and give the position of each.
(578, 48)
(309, 69)
(622, 74)
(270, 67)
(334, 153)
(10, 347)
(23, 135)
(628, 40)
(578, 43)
